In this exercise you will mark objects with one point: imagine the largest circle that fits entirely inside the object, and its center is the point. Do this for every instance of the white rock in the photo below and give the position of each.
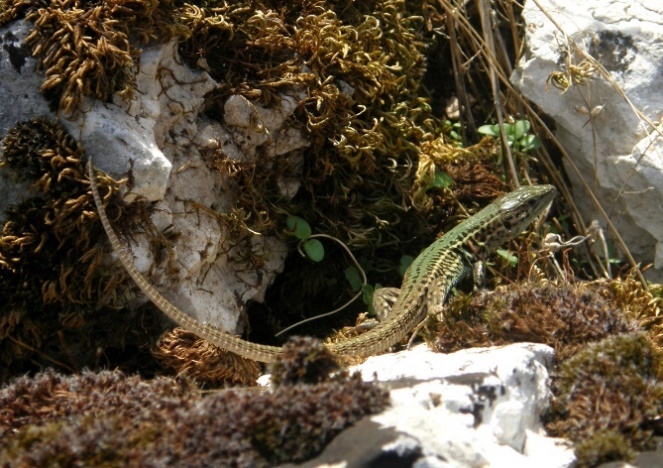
(19, 84)
(119, 144)
(159, 137)
(624, 157)
(169, 135)
(477, 407)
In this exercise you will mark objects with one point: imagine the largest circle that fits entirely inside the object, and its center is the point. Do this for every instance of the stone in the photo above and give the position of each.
(617, 152)
(19, 83)
(159, 138)
(476, 407)
(118, 145)
(20, 99)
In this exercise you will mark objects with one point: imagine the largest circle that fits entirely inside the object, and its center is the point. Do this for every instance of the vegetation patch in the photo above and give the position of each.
(57, 297)
(109, 418)
(607, 397)
(189, 356)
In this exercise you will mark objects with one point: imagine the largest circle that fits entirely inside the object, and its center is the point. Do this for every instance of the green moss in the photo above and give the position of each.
(613, 386)
(602, 447)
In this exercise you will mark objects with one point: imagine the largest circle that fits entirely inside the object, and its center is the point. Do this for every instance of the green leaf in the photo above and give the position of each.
(440, 180)
(298, 227)
(529, 143)
(354, 278)
(367, 296)
(406, 261)
(490, 130)
(508, 256)
(314, 250)
(520, 128)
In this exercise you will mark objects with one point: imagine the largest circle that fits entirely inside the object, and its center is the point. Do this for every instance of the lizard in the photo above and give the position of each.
(426, 283)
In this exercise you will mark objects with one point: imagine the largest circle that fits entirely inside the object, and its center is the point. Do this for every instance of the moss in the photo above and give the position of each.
(602, 447)
(613, 386)
(87, 49)
(304, 360)
(110, 419)
(640, 304)
(607, 378)
(193, 357)
(358, 69)
(57, 299)
(564, 317)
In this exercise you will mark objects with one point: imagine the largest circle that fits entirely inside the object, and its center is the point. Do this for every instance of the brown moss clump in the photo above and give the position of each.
(193, 357)
(643, 305)
(52, 246)
(608, 391)
(110, 419)
(305, 360)
(87, 49)
(51, 397)
(601, 447)
(563, 317)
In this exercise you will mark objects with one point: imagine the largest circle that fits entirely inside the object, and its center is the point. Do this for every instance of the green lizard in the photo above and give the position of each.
(425, 287)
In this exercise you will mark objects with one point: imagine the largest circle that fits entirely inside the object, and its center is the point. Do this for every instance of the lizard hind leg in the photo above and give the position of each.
(435, 299)
(383, 301)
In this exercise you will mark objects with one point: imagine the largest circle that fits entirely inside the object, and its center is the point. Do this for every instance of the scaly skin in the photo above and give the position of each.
(425, 285)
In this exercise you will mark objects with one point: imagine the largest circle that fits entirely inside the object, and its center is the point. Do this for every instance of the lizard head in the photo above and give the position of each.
(519, 208)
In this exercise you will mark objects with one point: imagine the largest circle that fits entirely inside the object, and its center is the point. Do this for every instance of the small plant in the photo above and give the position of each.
(507, 255)
(367, 290)
(453, 130)
(517, 135)
(312, 247)
(440, 180)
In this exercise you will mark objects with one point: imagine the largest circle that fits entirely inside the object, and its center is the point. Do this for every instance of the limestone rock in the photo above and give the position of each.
(476, 407)
(160, 139)
(616, 152)
(19, 96)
